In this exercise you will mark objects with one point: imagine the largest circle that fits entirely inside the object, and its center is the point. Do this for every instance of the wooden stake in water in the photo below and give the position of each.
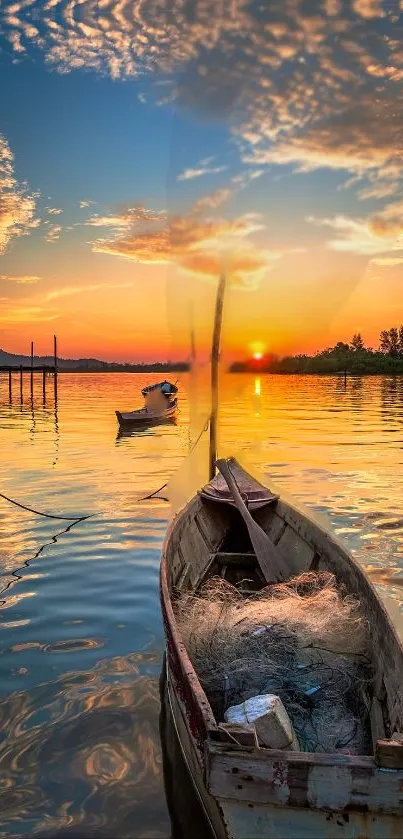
(55, 361)
(32, 368)
(215, 358)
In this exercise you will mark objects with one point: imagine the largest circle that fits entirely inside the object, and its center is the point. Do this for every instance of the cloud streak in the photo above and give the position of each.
(377, 234)
(17, 207)
(200, 171)
(70, 291)
(196, 242)
(20, 279)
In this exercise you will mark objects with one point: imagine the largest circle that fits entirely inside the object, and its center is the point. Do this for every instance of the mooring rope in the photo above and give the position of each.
(47, 515)
(92, 515)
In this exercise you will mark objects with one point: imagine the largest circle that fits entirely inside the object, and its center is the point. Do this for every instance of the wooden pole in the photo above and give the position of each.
(44, 385)
(32, 368)
(10, 387)
(215, 358)
(55, 362)
(21, 382)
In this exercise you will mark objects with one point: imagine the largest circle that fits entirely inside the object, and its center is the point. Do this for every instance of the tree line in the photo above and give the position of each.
(354, 357)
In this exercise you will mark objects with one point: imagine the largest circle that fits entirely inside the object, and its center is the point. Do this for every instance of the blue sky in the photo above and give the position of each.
(135, 149)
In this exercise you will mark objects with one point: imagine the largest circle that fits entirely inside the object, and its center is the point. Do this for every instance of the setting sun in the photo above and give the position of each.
(257, 349)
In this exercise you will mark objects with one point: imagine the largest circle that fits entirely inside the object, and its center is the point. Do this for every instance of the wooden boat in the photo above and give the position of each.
(249, 792)
(146, 416)
(160, 405)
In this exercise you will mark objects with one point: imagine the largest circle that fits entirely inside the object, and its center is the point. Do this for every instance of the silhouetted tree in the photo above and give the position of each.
(356, 342)
(394, 341)
(384, 341)
(390, 341)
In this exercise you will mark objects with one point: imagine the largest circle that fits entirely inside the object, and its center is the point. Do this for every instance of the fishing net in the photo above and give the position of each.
(300, 640)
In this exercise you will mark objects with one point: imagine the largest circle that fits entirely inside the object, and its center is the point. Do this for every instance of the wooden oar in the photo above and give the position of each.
(271, 562)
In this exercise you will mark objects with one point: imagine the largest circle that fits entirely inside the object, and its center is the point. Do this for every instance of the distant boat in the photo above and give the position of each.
(160, 405)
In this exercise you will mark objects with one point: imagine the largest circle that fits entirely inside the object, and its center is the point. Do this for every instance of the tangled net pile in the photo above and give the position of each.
(300, 640)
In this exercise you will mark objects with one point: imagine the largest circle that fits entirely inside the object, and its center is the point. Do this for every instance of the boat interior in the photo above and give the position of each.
(210, 539)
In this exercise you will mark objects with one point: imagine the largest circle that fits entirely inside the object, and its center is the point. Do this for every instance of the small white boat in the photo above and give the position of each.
(160, 405)
(146, 416)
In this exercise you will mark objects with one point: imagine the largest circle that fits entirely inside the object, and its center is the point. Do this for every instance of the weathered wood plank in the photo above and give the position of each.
(194, 548)
(192, 755)
(213, 520)
(273, 524)
(389, 753)
(296, 550)
(243, 735)
(377, 723)
(243, 821)
(271, 778)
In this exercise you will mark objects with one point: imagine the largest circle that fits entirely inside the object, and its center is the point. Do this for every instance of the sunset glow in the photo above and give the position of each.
(298, 197)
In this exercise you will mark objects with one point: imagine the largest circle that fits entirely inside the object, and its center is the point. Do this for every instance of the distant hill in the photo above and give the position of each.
(92, 365)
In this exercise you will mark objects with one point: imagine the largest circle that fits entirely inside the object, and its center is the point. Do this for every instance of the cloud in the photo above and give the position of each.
(84, 204)
(379, 190)
(366, 237)
(124, 218)
(387, 261)
(69, 291)
(368, 8)
(53, 233)
(200, 171)
(389, 221)
(195, 242)
(17, 207)
(15, 314)
(54, 211)
(20, 279)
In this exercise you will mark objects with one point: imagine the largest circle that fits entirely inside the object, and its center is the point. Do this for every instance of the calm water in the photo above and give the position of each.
(81, 633)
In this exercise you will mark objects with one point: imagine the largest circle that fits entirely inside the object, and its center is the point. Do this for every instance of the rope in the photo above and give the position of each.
(92, 515)
(47, 515)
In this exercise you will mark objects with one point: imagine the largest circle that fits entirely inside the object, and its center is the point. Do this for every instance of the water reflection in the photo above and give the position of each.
(76, 752)
(392, 394)
(82, 640)
(126, 433)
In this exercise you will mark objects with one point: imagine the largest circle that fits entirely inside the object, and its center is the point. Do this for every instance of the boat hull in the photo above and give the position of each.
(144, 418)
(230, 818)
(264, 794)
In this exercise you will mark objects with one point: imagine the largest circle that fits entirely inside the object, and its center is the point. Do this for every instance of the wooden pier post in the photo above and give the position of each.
(32, 368)
(44, 385)
(21, 382)
(10, 388)
(55, 363)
